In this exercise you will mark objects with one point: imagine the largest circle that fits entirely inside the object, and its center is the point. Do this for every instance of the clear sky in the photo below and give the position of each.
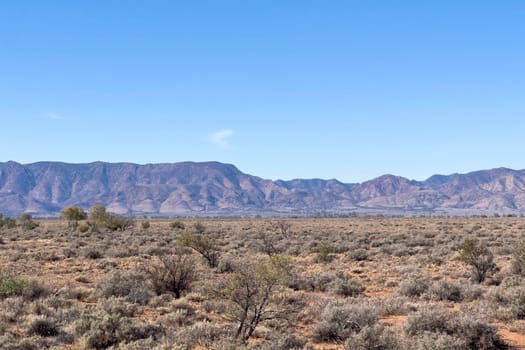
(282, 89)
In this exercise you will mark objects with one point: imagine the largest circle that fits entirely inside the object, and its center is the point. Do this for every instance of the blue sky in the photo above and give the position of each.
(282, 89)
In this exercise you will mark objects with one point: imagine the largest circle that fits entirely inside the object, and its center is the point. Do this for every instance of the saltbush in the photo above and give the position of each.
(339, 321)
(346, 286)
(466, 332)
(413, 287)
(446, 291)
(375, 337)
(130, 285)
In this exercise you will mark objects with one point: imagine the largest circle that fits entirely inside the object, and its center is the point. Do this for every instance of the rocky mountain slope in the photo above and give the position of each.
(212, 188)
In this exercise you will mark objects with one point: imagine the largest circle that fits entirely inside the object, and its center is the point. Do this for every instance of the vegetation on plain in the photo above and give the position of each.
(352, 283)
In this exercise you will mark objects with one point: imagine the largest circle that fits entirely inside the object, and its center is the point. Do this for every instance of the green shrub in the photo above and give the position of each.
(145, 225)
(177, 225)
(11, 285)
(100, 218)
(7, 222)
(255, 293)
(10, 223)
(116, 222)
(73, 215)
(26, 222)
(83, 228)
(325, 252)
(202, 244)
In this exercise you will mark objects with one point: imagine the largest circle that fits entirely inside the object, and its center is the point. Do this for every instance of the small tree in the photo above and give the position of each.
(73, 215)
(25, 221)
(281, 226)
(97, 216)
(10, 223)
(477, 255)
(268, 243)
(7, 222)
(145, 225)
(174, 273)
(325, 252)
(199, 228)
(204, 245)
(253, 293)
(177, 225)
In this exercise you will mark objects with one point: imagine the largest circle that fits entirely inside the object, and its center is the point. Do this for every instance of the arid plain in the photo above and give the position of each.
(316, 283)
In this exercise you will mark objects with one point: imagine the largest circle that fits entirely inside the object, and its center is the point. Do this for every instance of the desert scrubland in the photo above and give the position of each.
(345, 283)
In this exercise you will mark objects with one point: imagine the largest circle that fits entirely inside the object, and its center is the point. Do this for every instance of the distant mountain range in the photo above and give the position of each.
(216, 189)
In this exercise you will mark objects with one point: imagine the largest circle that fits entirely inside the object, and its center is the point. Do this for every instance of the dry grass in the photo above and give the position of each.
(394, 266)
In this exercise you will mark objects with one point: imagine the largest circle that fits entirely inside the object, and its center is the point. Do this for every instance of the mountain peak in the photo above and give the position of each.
(214, 188)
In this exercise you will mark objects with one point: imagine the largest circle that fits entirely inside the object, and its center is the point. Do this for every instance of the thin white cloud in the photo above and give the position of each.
(221, 138)
(55, 116)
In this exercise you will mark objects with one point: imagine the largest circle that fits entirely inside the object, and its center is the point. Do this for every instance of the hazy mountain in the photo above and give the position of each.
(212, 188)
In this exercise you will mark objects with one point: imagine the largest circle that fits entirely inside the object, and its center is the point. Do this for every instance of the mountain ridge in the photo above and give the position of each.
(219, 189)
